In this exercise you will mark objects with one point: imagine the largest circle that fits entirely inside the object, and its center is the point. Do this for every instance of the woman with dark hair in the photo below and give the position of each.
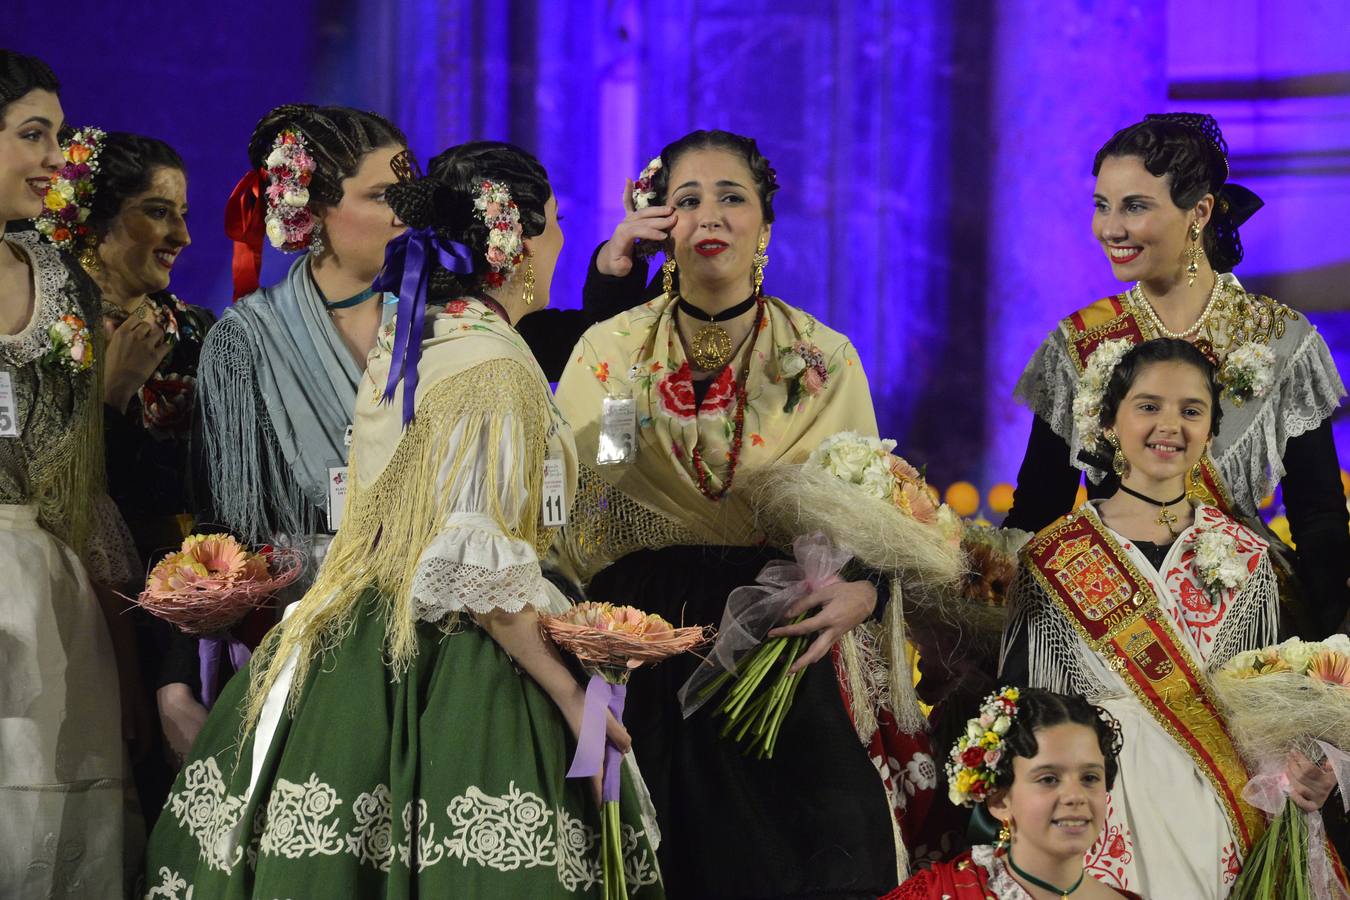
(1167, 219)
(62, 757)
(406, 728)
(133, 226)
(673, 403)
(1133, 600)
(1041, 764)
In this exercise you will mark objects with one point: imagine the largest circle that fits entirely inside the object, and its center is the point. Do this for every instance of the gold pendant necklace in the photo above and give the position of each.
(711, 347)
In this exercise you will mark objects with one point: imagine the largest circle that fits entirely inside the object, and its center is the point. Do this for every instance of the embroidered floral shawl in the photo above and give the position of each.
(655, 500)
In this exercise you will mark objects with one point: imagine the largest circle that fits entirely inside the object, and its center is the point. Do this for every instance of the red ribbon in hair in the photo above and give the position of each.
(245, 214)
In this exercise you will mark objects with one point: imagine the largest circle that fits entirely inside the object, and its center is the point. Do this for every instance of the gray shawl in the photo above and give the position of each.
(1249, 449)
(277, 388)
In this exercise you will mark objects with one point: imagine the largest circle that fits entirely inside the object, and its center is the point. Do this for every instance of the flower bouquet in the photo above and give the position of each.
(208, 585)
(611, 641)
(1293, 696)
(853, 499)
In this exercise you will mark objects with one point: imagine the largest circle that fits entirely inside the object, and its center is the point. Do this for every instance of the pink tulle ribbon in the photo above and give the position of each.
(753, 610)
(1268, 790)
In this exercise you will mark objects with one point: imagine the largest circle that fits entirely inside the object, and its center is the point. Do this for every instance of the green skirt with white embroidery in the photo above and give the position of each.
(449, 782)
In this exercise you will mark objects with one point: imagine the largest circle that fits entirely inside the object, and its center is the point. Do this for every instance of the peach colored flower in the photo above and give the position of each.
(913, 499)
(812, 382)
(1331, 667)
(902, 470)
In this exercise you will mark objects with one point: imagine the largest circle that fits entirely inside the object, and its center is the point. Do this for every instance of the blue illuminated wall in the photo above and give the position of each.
(935, 156)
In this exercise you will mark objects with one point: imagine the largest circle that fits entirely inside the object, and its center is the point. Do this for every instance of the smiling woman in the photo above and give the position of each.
(1166, 217)
(64, 826)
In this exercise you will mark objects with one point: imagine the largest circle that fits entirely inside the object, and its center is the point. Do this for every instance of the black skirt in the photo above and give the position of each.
(813, 821)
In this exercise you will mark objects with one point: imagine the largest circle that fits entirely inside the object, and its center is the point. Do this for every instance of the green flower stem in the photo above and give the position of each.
(1277, 866)
(611, 852)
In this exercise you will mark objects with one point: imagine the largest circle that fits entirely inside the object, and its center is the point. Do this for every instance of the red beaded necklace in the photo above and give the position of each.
(734, 456)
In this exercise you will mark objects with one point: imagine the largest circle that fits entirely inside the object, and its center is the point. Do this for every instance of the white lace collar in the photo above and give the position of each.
(49, 302)
(1001, 883)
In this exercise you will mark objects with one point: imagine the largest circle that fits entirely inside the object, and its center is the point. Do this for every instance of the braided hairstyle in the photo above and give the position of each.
(1190, 151)
(126, 164)
(19, 75)
(1038, 709)
(445, 201)
(766, 180)
(336, 137)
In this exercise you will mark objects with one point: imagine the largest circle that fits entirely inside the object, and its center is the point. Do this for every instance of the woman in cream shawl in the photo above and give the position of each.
(660, 521)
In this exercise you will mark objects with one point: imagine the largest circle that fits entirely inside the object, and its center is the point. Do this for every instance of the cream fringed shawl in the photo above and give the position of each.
(477, 380)
(655, 501)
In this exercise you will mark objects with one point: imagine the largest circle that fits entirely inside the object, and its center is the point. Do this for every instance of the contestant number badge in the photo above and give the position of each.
(337, 495)
(555, 501)
(9, 406)
(618, 432)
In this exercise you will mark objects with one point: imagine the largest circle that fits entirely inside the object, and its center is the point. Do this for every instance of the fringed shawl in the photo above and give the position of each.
(277, 388)
(477, 381)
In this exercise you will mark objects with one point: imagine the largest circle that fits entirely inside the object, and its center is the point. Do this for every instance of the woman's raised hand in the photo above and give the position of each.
(650, 224)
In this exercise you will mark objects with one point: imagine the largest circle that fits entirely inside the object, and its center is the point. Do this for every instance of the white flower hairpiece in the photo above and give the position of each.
(1248, 372)
(643, 195)
(69, 200)
(1087, 399)
(506, 246)
(290, 224)
(980, 753)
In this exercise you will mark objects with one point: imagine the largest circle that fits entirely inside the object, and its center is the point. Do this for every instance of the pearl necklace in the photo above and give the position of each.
(1142, 302)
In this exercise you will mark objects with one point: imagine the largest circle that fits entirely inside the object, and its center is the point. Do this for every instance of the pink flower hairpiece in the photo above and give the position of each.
(290, 224)
(643, 192)
(980, 753)
(506, 245)
(69, 200)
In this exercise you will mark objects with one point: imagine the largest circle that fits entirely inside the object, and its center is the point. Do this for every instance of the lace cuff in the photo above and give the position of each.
(473, 566)
(110, 553)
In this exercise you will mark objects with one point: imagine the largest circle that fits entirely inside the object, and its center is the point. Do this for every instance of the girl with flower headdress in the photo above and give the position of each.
(1167, 219)
(64, 824)
(406, 730)
(676, 404)
(1041, 764)
(1132, 601)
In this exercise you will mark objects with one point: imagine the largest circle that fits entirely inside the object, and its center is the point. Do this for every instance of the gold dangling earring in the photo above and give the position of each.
(1118, 463)
(668, 276)
(528, 293)
(761, 260)
(1193, 253)
(1005, 835)
(1196, 489)
(89, 255)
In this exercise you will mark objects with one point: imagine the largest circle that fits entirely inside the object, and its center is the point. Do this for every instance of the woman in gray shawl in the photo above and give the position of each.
(1167, 219)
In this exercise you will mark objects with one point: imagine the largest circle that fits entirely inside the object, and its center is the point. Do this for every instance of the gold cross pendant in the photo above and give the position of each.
(1167, 519)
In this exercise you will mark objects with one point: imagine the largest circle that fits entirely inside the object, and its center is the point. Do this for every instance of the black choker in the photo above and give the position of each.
(739, 309)
(1165, 517)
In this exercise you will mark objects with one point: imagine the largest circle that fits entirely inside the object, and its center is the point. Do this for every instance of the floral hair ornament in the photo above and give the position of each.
(290, 224)
(1087, 399)
(981, 752)
(67, 203)
(409, 260)
(644, 195)
(505, 244)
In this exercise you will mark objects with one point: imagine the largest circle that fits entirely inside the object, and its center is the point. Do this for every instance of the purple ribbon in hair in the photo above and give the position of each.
(595, 752)
(209, 651)
(408, 262)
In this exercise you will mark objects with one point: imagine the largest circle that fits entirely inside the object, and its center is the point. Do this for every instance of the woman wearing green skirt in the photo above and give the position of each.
(407, 729)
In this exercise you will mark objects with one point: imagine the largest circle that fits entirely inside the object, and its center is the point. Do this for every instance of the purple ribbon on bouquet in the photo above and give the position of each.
(209, 652)
(595, 752)
(408, 262)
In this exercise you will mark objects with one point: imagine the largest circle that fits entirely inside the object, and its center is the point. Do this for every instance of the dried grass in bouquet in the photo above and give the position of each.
(1292, 696)
(851, 499)
(208, 585)
(610, 642)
